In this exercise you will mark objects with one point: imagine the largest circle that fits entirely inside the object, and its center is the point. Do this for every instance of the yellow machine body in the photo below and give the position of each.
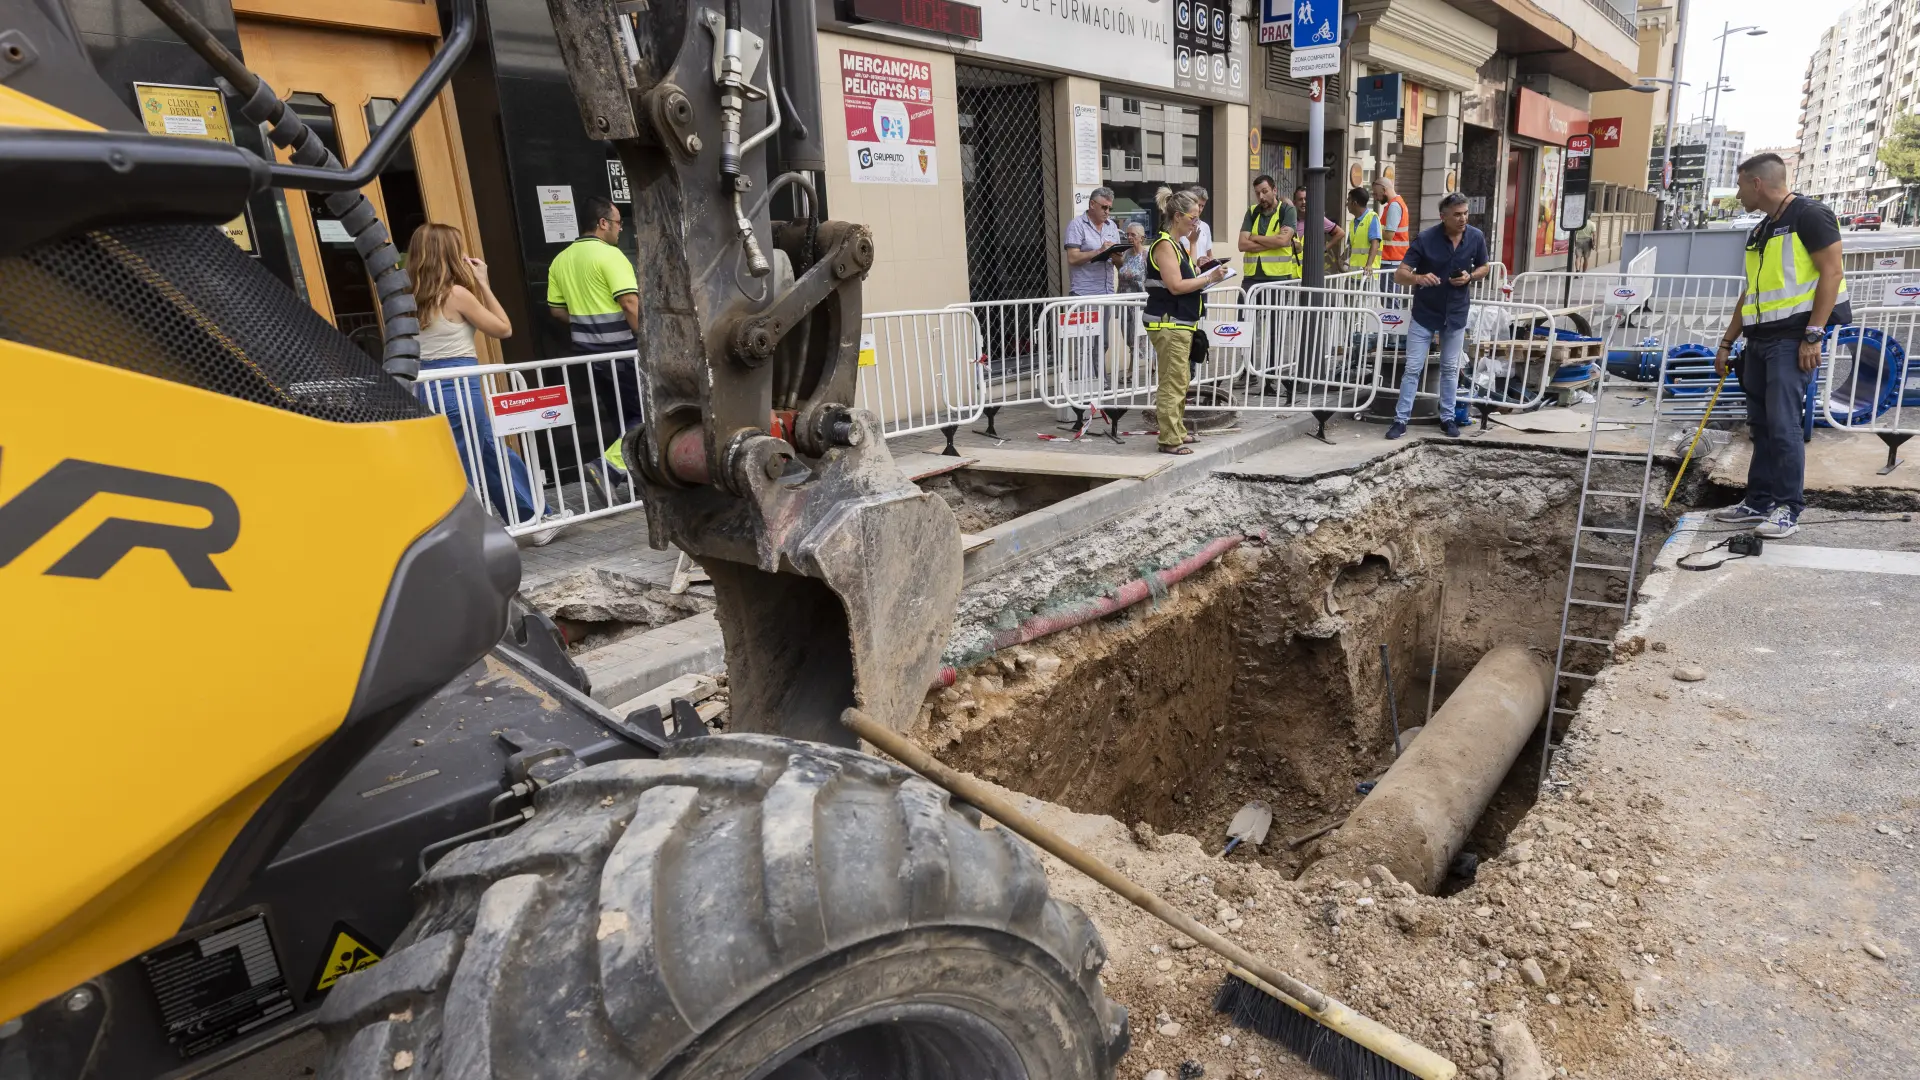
(148, 716)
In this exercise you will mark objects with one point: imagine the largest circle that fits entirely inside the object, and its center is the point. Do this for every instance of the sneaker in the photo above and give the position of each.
(1450, 427)
(1396, 429)
(1781, 523)
(543, 537)
(1740, 512)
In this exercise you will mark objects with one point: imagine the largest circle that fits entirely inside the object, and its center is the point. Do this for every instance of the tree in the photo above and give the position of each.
(1901, 153)
(1901, 156)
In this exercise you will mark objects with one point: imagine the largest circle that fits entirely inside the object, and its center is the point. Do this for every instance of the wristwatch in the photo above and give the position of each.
(1813, 336)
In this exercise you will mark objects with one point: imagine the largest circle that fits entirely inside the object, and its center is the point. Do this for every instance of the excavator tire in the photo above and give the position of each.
(743, 907)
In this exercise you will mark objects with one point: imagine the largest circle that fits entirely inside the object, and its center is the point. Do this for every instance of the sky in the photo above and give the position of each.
(1766, 72)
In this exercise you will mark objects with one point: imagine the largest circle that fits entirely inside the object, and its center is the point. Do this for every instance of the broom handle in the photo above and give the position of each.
(1704, 417)
(966, 788)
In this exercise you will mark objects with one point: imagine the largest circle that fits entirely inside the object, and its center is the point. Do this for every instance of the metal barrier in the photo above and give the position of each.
(1870, 378)
(531, 435)
(1860, 253)
(1271, 358)
(921, 370)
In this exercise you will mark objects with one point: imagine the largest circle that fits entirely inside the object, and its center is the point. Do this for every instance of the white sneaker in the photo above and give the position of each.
(543, 537)
(1780, 524)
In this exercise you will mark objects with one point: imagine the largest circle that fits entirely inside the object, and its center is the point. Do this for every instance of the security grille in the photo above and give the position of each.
(1006, 166)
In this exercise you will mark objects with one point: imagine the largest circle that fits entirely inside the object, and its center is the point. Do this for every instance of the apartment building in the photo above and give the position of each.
(1862, 76)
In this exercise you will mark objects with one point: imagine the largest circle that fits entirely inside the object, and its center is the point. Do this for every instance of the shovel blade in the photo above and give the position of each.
(1250, 825)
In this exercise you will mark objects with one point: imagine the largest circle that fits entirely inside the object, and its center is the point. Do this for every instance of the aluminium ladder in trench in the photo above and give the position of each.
(1611, 516)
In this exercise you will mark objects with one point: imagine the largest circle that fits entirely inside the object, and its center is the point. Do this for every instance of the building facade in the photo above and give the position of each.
(1623, 158)
(969, 198)
(1860, 78)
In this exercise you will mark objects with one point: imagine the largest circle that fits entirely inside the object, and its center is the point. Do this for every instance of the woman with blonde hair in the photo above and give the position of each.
(450, 288)
(1175, 303)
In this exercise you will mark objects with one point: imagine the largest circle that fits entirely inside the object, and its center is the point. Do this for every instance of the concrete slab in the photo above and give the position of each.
(1841, 465)
(918, 465)
(1786, 776)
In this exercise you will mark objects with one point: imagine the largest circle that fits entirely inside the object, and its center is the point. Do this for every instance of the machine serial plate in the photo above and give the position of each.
(218, 986)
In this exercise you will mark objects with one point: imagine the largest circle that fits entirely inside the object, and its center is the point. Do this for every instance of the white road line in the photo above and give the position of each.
(1858, 560)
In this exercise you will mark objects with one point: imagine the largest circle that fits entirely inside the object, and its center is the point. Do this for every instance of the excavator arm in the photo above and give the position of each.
(835, 576)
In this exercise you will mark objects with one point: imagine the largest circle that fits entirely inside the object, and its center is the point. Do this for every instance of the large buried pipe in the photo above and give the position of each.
(1419, 814)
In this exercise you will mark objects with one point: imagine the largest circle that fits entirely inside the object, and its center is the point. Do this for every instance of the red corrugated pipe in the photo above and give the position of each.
(1124, 597)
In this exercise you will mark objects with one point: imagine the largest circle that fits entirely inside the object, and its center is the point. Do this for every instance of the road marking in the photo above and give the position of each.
(1857, 560)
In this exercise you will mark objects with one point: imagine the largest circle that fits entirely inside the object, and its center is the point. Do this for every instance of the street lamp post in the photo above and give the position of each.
(1720, 75)
(1651, 85)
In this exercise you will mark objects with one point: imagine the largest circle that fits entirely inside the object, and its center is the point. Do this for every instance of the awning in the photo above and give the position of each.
(1882, 205)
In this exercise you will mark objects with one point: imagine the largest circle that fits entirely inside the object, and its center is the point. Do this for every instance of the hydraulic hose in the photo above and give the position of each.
(399, 316)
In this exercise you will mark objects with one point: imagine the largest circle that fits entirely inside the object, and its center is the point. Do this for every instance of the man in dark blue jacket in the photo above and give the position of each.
(1441, 266)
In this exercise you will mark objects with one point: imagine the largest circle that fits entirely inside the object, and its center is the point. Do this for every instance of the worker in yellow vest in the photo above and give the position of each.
(1363, 232)
(1266, 238)
(1795, 290)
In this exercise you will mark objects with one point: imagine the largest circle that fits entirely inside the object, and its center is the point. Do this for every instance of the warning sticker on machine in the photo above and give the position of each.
(219, 986)
(349, 952)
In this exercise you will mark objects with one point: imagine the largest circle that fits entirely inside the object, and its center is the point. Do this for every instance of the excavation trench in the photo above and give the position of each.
(1260, 677)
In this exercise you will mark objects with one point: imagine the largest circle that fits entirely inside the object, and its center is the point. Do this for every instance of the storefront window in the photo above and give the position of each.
(348, 288)
(1149, 145)
(400, 180)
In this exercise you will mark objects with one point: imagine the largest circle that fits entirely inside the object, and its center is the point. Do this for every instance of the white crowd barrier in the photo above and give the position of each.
(531, 435)
(921, 371)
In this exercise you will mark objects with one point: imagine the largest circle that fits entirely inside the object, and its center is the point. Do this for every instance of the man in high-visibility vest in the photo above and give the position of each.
(1795, 290)
(1266, 237)
(1396, 225)
(1363, 232)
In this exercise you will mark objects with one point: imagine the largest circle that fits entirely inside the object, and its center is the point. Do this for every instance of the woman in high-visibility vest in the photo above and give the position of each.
(1175, 303)
(1395, 223)
(1363, 232)
(1795, 290)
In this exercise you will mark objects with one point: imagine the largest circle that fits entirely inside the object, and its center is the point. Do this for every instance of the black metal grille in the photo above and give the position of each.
(183, 303)
(1006, 166)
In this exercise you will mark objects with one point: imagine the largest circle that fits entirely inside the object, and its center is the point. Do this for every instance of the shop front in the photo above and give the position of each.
(1017, 135)
(1531, 235)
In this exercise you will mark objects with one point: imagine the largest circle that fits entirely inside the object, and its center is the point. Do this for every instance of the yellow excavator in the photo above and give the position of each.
(289, 752)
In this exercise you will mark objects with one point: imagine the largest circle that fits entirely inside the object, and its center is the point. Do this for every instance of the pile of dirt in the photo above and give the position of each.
(1555, 932)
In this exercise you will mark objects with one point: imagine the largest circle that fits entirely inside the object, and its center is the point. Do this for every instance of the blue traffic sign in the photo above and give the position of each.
(1376, 97)
(1316, 23)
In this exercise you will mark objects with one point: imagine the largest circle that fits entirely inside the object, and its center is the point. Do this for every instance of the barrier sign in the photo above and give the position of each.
(1083, 323)
(1228, 335)
(1394, 320)
(520, 411)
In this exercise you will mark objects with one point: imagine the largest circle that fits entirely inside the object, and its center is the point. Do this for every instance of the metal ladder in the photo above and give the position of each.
(1596, 559)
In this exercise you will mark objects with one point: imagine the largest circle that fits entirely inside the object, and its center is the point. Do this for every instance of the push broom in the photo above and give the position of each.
(1257, 996)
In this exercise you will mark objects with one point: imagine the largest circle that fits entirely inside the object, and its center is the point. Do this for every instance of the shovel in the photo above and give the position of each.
(1249, 826)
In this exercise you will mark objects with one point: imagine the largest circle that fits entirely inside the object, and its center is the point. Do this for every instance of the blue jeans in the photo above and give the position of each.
(464, 402)
(1776, 392)
(1419, 342)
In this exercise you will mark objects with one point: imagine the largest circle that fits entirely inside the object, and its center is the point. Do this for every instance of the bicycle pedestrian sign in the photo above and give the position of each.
(1316, 24)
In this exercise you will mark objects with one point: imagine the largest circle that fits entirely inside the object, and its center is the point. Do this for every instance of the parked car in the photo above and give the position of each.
(1866, 221)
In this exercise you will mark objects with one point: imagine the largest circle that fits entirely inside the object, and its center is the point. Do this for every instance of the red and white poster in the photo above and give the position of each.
(1605, 132)
(889, 119)
(1077, 322)
(520, 411)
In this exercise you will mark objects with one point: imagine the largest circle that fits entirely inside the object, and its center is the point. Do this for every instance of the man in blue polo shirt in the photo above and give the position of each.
(1441, 266)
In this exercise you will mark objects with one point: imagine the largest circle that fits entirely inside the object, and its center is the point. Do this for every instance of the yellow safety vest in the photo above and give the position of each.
(1359, 255)
(1273, 262)
(1781, 279)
